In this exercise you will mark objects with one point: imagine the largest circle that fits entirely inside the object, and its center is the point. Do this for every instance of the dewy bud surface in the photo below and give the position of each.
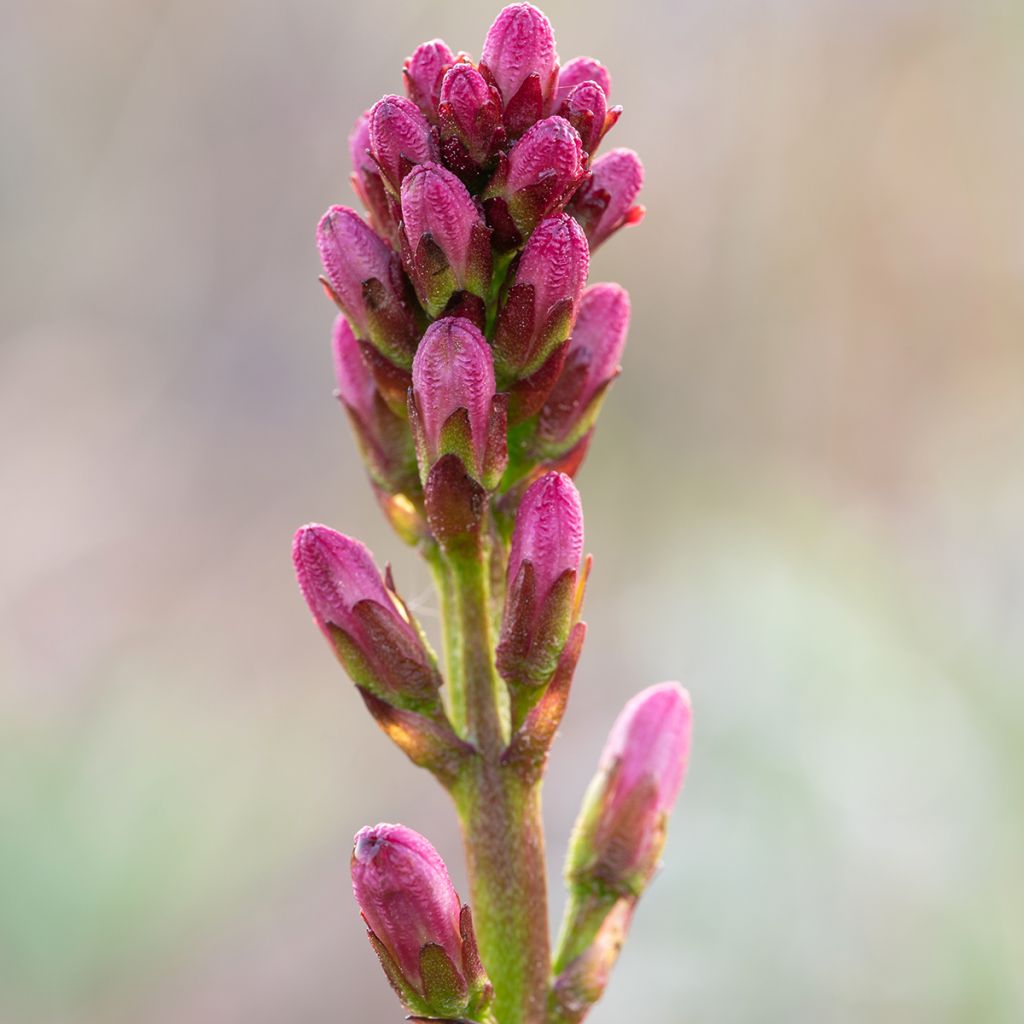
(579, 70)
(604, 203)
(520, 43)
(399, 138)
(453, 369)
(423, 73)
(548, 532)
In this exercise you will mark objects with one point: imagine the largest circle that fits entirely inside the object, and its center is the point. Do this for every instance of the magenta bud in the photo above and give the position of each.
(540, 309)
(447, 244)
(543, 170)
(365, 279)
(370, 629)
(368, 184)
(453, 408)
(520, 45)
(620, 833)
(578, 70)
(604, 202)
(400, 138)
(416, 923)
(423, 72)
(542, 600)
(470, 115)
(586, 109)
(591, 364)
(382, 436)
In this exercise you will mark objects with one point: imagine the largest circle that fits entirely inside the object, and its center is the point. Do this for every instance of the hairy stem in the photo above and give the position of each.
(499, 811)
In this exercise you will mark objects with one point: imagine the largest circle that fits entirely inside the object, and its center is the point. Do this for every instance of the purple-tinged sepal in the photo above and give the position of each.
(578, 70)
(400, 138)
(591, 365)
(537, 178)
(446, 244)
(419, 929)
(453, 405)
(539, 313)
(604, 202)
(620, 832)
(586, 109)
(423, 72)
(519, 57)
(364, 277)
(471, 130)
(543, 589)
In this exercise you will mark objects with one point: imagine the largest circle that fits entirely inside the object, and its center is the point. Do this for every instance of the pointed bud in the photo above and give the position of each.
(365, 279)
(620, 832)
(541, 601)
(470, 114)
(382, 436)
(423, 72)
(416, 923)
(591, 364)
(447, 245)
(371, 631)
(586, 109)
(540, 308)
(604, 202)
(519, 56)
(453, 408)
(368, 184)
(542, 171)
(582, 69)
(400, 138)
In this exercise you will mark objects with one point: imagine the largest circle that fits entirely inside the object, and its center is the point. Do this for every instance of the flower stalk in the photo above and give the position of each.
(472, 363)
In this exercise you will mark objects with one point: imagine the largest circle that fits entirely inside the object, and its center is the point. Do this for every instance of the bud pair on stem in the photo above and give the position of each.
(472, 361)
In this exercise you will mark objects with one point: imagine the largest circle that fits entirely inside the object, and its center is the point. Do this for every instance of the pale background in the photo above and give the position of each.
(805, 500)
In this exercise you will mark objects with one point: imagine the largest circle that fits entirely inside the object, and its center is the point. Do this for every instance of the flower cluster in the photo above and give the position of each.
(472, 360)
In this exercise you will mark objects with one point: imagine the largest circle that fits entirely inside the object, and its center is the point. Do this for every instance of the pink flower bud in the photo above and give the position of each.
(604, 203)
(423, 73)
(586, 109)
(650, 743)
(400, 138)
(540, 308)
(447, 242)
(591, 364)
(366, 281)
(621, 829)
(368, 184)
(544, 168)
(453, 395)
(470, 115)
(541, 601)
(371, 632)
(406, 896)
(578, 70)
(548, 533)
(519, 44)
(382, 436)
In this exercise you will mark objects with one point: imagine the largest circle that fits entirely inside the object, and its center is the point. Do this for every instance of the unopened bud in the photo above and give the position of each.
(400, 138)
(365, 279)
(620, 832)
(582, 69)
(417, 926)
(447, 245)
(604, 202)
(586, 109)
(470, 114)
(542, 598)
(368, 184)
(423, 72)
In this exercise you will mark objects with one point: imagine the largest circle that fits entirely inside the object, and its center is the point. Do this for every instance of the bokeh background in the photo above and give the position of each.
(805, 500)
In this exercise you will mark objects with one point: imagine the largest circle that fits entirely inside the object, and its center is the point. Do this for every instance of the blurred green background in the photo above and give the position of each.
(805, 500)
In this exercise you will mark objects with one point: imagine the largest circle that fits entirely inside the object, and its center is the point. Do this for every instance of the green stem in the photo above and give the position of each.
(500, 812)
